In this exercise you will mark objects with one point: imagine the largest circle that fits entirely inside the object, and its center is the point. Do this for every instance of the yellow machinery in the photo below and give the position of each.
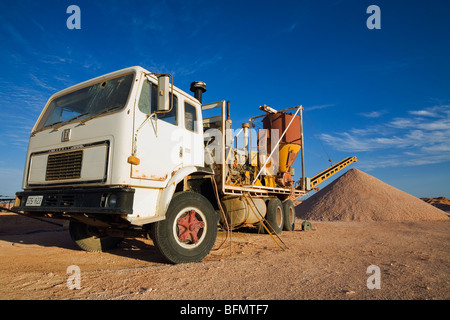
(318, 178)
(280, 142)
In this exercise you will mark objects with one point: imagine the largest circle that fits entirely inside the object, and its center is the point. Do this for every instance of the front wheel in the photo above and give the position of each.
(189, 231)
(90, 238)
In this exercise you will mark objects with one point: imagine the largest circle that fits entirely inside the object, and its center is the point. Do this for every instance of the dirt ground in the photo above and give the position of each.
(330, 262)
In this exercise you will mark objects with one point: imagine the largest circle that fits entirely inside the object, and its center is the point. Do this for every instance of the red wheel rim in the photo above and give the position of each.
(190, 228)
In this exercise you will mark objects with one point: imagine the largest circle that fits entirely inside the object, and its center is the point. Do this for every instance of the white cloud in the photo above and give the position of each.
(431, 112)
(41, 83)
(318, 107)
(425, 113)
(347, 142)
(373, 114)
(402, 160)
(402, 123)
(421, 138)
(443, 124)
(443, 147)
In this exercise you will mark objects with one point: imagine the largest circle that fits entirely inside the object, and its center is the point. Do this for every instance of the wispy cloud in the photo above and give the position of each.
(347, 142)
(420, 137)
(292, 27)
(373, 114)
(405, 159)
(21, 107)
(40, 83)
(52, 59)
(13, 32)
(430, 112)
(319, 107)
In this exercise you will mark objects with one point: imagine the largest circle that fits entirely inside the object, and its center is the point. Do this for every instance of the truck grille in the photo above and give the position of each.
(64, 166)
(59, 200)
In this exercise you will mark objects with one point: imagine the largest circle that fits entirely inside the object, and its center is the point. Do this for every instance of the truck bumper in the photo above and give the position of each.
(117, 200)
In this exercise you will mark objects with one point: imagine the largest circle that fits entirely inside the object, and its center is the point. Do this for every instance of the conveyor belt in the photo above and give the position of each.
(318, 178)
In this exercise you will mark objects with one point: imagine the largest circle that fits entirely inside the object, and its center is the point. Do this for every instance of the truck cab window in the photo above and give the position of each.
(172, 115)
(88, 102)
(148, 103)
(148, 97)
(190, 116)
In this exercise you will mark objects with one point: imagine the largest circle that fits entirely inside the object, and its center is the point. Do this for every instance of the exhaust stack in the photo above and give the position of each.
(198, 87)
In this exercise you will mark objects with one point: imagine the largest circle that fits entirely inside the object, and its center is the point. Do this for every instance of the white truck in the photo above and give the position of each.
(129, 154)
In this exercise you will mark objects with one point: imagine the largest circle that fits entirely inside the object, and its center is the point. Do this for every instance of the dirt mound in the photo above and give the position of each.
(441, 202)
(358, 196)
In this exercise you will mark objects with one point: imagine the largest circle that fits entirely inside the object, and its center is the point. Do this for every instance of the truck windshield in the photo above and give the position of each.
(101, 98)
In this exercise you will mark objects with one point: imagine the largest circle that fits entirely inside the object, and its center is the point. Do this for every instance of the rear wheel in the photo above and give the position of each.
(90, 238)
(189, 231)
(274, 216)
(289, 215)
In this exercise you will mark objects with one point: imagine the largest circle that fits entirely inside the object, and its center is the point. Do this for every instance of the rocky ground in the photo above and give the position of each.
(329, 262)
(369, 241)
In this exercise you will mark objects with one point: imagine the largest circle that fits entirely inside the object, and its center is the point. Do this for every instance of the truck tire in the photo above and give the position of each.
(189, 231)
(289, 215)
(274, 216)
(91, 238)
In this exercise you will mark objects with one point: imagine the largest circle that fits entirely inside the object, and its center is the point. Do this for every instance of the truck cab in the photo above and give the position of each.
(111, 152)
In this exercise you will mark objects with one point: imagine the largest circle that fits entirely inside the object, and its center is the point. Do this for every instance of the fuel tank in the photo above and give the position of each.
(240, 212)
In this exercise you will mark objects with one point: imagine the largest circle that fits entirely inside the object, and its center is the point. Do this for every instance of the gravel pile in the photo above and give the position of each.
(442, 203)
(358, 196)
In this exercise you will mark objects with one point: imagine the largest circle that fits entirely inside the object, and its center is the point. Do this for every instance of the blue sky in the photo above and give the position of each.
(382, 95)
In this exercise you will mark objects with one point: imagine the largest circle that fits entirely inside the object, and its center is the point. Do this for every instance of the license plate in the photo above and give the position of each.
(34, 201)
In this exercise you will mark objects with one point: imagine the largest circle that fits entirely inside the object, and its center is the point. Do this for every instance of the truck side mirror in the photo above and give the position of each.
(163, 93)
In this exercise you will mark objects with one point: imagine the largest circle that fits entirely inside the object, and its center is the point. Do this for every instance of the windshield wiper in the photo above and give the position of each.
(82, 122)
(67, 121)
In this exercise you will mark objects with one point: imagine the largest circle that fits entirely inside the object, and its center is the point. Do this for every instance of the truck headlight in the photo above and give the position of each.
(112, 201)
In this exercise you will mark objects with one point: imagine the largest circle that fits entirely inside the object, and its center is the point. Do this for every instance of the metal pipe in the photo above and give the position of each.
(303, 148)
(245, 126)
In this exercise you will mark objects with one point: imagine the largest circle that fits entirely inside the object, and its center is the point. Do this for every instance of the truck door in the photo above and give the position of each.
(157, 142)
(193, 152)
